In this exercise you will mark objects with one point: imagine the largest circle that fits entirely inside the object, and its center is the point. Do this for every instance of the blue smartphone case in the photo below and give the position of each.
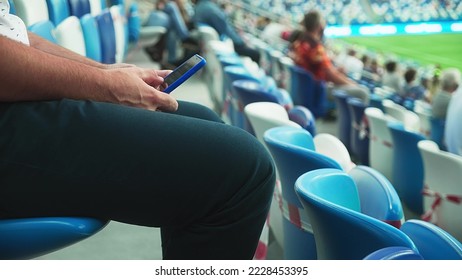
(183, 72)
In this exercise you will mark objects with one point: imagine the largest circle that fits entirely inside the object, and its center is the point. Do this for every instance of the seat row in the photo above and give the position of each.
(386, 136)
(301, 85)
(263, 112)
(104, 31)
(295, 152)
(343, 231)
(330, 211)
(88, 28)
(224, 67)
(236, 83)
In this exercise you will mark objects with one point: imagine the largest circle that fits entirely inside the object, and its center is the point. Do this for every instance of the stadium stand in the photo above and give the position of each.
(272, 79)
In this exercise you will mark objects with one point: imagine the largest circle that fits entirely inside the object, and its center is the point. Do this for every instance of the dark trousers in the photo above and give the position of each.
(208, 185)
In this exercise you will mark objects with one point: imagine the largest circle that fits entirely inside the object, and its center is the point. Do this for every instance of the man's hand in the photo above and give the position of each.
(138, 87)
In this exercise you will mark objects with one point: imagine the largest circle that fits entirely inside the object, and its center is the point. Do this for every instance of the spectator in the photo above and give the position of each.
(350, 64)
(426, 83)
(392, 78)
(262, 23)
(273, 32)
(374, 70)
(412, 89)
(449, 82)
(366, 60)
(453, 128)
(171, 15)
(435, 82)
(208, 12)
(79, 138)
(308, 51)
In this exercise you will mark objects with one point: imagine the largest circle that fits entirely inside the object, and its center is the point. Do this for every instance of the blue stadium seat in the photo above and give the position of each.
(12, 7)
(376, 101)
(302, 86)
(432, 242)
(230, 74)
(58, 10)
(228, 60)
(408, 171)
(378, 198)
(308, 92)
(29, 238)
(107, 34)
(331, 200)
(249, 91)
(92, 37)
(437, 132)
(134, 23)
(394, 253)
(44, 29)
(79, 8)
(116, 2)
(293, 152)
(301, 115)
(344, 117)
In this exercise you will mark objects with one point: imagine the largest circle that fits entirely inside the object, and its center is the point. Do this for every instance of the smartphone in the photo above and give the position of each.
(183, 72)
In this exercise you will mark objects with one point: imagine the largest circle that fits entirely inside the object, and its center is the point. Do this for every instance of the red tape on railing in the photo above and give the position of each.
(438, 198)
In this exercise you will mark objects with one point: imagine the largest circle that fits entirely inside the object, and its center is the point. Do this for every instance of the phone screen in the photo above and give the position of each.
(183, 72)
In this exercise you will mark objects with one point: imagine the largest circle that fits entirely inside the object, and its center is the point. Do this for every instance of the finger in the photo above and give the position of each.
(162, 87)
(163, 73)
(170, 104)
(152, 78)
(165, 102)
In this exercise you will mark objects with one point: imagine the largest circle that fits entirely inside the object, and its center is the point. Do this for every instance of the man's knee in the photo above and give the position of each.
(197, 111)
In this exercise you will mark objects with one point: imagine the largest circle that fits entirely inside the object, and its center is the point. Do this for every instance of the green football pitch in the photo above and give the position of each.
(443, 49)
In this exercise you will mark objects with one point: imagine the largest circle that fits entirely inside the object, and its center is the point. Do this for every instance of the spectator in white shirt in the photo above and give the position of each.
(449, 83)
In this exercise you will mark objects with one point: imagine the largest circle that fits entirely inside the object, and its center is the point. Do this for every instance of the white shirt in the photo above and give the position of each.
(273, 32)
(453, 129)
(352, 65)
(12, 26)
